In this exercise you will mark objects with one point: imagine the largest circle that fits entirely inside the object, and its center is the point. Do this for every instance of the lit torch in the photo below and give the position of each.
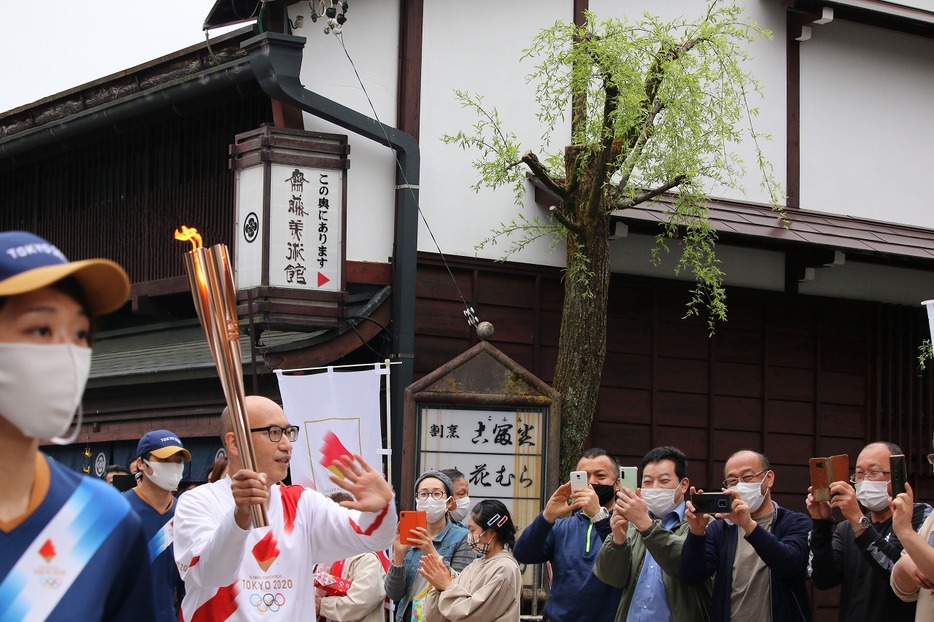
(213, 291)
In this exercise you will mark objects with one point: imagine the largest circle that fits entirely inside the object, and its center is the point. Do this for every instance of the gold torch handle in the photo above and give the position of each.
(213, 291)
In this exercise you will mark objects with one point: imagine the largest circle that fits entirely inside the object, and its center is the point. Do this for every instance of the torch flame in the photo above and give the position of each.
(189, 234)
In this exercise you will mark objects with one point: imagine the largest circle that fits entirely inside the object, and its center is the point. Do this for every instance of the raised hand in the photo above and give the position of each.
(369, 488)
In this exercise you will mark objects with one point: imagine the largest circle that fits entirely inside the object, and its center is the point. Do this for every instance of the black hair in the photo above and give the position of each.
(454, 474)
(340, 495)
(493, 515)
(667, 452)
(116, 468)
(596, 452)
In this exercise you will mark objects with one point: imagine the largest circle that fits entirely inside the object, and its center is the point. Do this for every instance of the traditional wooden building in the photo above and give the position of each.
(819, 354)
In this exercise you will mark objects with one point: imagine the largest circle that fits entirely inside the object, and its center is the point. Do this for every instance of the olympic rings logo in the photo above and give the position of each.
(52, 583)
(267, 602)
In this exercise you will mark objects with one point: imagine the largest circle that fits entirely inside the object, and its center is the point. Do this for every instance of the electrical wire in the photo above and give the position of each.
(468, 310)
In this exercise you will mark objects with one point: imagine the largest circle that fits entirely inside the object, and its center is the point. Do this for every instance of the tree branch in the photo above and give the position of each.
(651, 194)
(561, 217)
(538, 169)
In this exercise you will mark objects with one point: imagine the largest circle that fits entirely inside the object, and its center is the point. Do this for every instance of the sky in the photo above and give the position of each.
(50, 46)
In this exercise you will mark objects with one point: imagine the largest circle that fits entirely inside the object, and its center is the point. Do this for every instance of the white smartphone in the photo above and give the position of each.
(578, 480)
(629, 477)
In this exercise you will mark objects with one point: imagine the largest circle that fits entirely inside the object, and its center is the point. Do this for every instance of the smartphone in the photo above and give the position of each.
(711, 502)
(825, 471)
(629, 477)
(578, 480)
(123, 482)
(899, 474)
(409, 520)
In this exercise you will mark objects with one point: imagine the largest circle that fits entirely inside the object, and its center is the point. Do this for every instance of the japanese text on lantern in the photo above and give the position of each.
(323, 207)
(295, 246)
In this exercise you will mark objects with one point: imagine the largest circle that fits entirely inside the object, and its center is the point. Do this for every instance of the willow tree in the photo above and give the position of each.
(656, 108)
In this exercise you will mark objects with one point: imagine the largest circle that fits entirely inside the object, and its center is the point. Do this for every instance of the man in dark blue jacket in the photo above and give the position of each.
(759, 556)
(571, 544)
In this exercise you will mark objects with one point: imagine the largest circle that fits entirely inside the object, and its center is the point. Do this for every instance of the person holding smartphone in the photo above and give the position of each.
(759, 550)
(571, 544)
(488, 589)
(434, 495)
(859, 552)
(912, 577)
(643, 553)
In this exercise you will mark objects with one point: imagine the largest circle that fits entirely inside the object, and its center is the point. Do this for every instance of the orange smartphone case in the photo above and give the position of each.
(409, 520)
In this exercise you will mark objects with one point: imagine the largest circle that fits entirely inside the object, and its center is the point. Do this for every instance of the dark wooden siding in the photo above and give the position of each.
(791, 376)
(121, 193)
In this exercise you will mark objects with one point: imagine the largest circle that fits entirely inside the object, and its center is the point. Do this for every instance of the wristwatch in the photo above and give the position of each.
(599, 516)
(862, 524)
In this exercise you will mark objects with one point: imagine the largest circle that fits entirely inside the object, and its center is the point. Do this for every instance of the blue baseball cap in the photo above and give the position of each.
(162, 444)
(28, 263)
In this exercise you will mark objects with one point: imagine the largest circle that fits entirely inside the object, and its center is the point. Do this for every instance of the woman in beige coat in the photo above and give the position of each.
(489, 588)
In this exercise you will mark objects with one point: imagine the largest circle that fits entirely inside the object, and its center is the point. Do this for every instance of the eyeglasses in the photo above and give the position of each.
(872, 476)
(275, 432)
(747, 479)
(437, 495)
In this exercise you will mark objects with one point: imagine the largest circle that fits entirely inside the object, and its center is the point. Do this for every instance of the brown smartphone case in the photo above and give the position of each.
(825, 471)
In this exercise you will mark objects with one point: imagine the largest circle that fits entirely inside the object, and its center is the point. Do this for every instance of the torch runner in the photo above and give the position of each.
(213, 291)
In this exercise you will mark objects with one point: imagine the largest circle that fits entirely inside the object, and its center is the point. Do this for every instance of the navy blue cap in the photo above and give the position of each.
(28, 263)
(162, 444)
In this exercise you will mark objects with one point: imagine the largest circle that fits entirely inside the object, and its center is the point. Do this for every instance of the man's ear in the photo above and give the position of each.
(230, 443)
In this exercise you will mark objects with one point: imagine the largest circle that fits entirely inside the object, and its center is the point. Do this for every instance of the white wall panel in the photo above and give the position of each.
(371, 38)
(866, 123)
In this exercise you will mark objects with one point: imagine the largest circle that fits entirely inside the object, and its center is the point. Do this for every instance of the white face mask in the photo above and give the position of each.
(459, 513)
(660, 501)
(165, 475)
(874, 496)
(41, 387)
(434, 508)
(751, 494)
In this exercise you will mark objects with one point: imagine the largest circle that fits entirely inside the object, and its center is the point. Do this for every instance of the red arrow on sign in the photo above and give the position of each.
(322, 279)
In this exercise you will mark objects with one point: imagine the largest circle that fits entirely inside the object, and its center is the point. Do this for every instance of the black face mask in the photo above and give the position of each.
(604, 493)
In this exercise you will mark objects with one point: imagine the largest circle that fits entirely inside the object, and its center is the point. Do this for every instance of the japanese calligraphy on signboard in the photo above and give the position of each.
(501, 452)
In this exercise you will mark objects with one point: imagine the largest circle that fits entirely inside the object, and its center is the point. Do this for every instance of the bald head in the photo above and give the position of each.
(761, 460)
(272, 457)
(258, 409)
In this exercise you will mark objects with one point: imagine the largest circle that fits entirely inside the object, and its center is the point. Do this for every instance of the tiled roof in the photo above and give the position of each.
(846, 233)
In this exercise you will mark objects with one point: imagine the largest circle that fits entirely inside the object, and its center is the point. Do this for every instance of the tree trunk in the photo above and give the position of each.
(582, 343)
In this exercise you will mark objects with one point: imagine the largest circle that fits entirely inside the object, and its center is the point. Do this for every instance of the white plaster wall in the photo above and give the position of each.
(866, 123)
(767, 65)
(371, 38)
(477, 48)
(481, 54)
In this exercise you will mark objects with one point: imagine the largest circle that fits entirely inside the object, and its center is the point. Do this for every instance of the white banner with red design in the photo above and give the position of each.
(338, 413)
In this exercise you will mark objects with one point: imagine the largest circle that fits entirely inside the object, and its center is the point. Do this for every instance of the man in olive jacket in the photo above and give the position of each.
(643, 551)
